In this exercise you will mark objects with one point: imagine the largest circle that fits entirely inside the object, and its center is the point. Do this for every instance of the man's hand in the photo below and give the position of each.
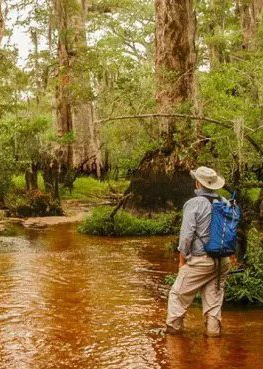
(182, 260)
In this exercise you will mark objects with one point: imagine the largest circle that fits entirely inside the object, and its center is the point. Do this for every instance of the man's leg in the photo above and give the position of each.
(212, 300)
(191, 277)
(178, 301)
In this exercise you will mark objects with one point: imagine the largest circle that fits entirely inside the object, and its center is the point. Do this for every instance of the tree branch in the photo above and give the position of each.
(177, 115)
(252, 185)
(120, 204)
(99, 9)
(228, 124)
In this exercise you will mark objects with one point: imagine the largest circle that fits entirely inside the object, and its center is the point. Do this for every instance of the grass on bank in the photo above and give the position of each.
(125, 224)
(93, 190)
(85, 188)
(246, 287)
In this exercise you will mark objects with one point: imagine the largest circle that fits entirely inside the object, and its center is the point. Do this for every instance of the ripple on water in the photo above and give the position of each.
(73, 301)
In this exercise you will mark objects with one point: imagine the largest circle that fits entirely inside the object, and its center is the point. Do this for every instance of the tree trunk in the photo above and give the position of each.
(162, 179)
(86, 143)
(2, 25)
(75, 108)
(175, 57)
(35, 41)
(250, 12)
(63, 103)
(215, 31)
(31, 177)
(50, 172)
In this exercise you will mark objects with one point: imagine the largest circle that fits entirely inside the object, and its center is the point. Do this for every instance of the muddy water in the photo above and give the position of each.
(73, 301)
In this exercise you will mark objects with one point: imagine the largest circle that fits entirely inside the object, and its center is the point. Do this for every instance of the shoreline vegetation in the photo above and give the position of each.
(101, 223)
(85, 188)
(20, 203)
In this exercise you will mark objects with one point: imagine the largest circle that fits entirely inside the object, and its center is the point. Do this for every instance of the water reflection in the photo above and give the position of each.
(72, 301)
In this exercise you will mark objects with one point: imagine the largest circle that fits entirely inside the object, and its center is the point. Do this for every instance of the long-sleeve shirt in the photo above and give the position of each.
(196, 220)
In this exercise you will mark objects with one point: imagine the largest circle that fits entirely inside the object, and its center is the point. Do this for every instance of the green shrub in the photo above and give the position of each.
(19, 182)
(6, 168)
(247, 287)
(126, 224)
(93, 190)
(170, 279)
(32, 203)
(173, 244)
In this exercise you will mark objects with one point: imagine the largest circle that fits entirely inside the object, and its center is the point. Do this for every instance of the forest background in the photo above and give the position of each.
(135, 91)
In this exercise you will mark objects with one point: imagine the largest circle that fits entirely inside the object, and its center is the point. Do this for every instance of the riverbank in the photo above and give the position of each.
(76, 205)
(74, 211)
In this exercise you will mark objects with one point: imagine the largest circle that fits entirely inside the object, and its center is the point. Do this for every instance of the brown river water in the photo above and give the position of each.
(72, 301)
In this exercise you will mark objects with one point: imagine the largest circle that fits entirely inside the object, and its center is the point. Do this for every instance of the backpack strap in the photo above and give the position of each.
(219, 273)
(211, 200)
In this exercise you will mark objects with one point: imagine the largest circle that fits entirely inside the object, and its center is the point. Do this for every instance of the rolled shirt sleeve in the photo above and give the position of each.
(188, 227)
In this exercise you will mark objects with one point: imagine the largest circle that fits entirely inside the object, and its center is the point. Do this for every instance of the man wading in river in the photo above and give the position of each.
(197, 270)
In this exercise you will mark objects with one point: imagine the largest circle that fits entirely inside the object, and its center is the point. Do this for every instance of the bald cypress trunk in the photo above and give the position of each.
(216, 10)
(75, 110)
(1, 22)
(87, 143)
(175, 57)
(63, 101)
(250, 13)
(162, 180)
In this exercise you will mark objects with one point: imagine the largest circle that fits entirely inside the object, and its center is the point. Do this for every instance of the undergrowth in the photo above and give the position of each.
(247, 287)
(125, 224)
(85, 188)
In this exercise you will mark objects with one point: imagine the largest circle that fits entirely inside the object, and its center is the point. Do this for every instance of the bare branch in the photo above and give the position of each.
(227, 124)
(99, 9)
(143, 116)
(252, 185)
(120, 204)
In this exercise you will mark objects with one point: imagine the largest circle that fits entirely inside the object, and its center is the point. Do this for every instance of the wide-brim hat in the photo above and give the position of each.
(208, 178)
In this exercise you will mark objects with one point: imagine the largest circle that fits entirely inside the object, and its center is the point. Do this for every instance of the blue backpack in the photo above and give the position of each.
(223, 228)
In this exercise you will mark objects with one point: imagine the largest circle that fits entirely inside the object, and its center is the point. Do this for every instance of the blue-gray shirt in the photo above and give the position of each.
(196, 219)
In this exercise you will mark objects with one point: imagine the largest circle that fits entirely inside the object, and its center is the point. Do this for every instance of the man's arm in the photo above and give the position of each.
(188, 229)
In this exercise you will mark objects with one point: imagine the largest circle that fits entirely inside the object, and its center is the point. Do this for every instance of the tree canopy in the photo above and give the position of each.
(92, 61)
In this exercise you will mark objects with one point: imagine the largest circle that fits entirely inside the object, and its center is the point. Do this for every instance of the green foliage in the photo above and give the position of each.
(170, 279)
(18, 182)
(115, 70)
(6, 172)
(12, 81)
(123, 62)
(125, 224)
(85, 188)
(172, 245)
(23, 135)
(93, 190)
(247, 287)
(30, 204)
